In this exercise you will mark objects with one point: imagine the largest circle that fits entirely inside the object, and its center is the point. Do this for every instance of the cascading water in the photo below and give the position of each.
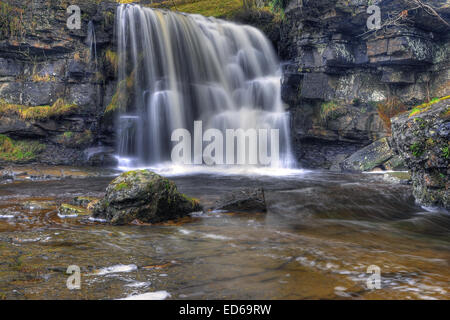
(91, 41)
(176, 68)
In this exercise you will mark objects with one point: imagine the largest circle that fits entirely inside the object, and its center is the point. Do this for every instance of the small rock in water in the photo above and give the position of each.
(38, 205)
(247, 200)
(82, 201)
(68, 210)
(144, 196)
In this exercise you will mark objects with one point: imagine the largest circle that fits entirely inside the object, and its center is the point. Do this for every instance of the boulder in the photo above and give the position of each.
(370, 157)
(247, 200)
(144, 196)
(421, 138)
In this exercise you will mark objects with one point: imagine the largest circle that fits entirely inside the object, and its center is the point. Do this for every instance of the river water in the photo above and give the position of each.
(321, 233)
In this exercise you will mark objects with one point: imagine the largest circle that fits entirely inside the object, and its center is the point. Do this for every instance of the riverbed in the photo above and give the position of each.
(321, 233)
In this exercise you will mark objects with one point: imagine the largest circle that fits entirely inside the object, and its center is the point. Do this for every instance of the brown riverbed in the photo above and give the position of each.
(321, 233)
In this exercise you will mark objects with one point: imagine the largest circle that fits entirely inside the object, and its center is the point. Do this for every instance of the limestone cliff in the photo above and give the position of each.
(54, 82)
(343, 82)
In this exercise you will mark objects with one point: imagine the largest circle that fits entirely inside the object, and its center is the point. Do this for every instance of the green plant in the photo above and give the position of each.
(445, 152)
(417, 149)
(278, 5)
(17, 151)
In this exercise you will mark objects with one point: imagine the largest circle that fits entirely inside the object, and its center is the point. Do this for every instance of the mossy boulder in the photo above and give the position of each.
(144, 196)
(422, 140)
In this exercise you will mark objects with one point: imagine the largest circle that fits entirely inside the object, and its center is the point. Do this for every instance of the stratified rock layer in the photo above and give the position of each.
(338, 74)
(43, 61)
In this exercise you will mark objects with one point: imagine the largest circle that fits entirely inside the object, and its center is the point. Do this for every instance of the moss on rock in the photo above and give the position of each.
(38, 113)
(144, 196)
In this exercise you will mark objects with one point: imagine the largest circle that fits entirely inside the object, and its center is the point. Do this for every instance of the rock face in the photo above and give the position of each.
(42, 62)
(342, 83)
(250, 200)
(143, 196)
(422, 138)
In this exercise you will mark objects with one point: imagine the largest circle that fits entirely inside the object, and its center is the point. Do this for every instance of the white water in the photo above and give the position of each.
(175, 69)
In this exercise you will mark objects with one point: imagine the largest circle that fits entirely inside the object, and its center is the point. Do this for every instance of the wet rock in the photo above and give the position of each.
(144, 196)
(249, 200)
(83, 201)
(332, 60)
(101, 157)
(50, 62)
(396, 163)
(38, 205)
(71, 210)
(369, 157)
(398, 177)
(420, 137)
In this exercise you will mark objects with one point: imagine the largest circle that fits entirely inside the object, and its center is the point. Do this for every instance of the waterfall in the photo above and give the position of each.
(177, 68)
(91, 41)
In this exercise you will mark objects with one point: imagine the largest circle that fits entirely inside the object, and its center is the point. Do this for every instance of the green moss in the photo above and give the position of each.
(445, 152)
(194, 202)
(120, 98)
(121, 186)
(426, 106)
(19, 151)
(417, 149)
(112, 58)
(57, 110)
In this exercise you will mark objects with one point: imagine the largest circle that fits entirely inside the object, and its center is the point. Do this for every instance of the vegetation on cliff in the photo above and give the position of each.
(214, 8)
(19, 151)
(426, 106)
(39, 113)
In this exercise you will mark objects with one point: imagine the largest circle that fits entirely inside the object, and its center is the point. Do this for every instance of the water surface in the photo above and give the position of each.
(316, 241)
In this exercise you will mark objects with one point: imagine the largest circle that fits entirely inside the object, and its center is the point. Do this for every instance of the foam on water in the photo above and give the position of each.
(170, 169)
(116, 269)
(158, 295)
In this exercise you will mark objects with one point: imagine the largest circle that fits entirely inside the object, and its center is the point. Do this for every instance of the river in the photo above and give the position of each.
(320, 234)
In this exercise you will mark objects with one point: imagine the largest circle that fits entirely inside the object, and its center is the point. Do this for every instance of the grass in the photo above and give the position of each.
(75, 139)
(11, 21)
(208, 8)
(15, 151)
(57, 110)
(426, 106)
